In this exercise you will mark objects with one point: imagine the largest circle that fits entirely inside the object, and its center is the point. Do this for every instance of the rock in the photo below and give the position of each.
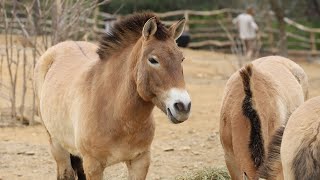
(168, 149)
(158, 178)
(195, 153)
(185, 148)
(212, 137)
(29, 153)
(191, 131)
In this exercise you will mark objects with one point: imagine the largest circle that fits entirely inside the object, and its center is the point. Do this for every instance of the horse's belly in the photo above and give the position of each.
(63, 134)
(58, 123)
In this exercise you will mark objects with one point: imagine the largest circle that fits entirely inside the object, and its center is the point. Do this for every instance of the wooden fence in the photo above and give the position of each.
(214, 29)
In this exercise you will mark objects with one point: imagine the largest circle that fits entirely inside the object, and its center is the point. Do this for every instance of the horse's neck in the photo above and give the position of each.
(117, 88)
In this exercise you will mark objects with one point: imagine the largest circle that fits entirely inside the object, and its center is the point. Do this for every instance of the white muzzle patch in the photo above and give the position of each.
(178, 105)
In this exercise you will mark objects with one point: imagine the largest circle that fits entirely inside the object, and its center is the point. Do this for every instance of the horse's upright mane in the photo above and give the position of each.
(126, 32)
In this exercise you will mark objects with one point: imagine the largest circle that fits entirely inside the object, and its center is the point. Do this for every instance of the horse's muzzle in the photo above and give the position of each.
(178, 105)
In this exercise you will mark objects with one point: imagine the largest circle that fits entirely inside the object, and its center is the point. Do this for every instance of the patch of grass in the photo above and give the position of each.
(206, 174)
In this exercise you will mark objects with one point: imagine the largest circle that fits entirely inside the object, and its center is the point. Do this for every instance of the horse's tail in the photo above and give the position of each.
(272, 166)
(256, 146)
(306, 163)
(41, 69)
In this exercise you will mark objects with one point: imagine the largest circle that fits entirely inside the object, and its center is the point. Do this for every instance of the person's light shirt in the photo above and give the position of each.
(246, 25)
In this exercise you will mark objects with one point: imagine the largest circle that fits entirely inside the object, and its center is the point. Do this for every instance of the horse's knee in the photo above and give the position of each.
(93, 168)
(67, 174)
(62, 158)
(138, 167)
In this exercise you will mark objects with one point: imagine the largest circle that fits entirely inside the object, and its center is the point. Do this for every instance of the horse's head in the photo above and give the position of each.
(159, 70)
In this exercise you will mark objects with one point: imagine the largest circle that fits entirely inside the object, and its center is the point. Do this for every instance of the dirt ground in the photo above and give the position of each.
(176, 149)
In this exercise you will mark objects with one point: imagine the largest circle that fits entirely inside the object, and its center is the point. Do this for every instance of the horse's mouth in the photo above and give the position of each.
(172, 118)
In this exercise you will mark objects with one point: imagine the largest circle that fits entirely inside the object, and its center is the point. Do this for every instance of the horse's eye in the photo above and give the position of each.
(153, 61)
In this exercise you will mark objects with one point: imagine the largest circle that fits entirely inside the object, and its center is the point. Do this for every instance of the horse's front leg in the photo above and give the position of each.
(138, 167)
(93, 168)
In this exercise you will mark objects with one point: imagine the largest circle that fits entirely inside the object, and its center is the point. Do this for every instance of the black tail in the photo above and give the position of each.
(272, 166)
(256, 140)
(77, 166)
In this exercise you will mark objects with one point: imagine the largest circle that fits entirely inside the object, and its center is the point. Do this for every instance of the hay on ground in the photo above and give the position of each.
(206, 174)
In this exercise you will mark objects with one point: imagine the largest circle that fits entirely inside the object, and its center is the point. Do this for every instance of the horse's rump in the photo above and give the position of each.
(258, 99)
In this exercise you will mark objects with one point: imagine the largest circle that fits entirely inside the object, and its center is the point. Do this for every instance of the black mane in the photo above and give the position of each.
(126, 32)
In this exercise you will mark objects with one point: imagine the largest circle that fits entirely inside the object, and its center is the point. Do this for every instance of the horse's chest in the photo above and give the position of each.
(126, 145)
(124, 153)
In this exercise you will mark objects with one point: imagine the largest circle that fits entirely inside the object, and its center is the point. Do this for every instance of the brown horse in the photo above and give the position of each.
(296, 156)
(96, 102)
(257, 100)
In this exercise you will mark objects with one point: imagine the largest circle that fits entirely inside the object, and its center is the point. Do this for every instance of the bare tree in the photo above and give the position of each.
(30, 27)
(279, 13)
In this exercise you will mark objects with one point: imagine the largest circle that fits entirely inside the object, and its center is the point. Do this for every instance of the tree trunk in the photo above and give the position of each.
(36, 18)
(279, 12)
(56, 17)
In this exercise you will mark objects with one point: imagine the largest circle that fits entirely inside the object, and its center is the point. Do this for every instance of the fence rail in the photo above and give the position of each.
(205, 29)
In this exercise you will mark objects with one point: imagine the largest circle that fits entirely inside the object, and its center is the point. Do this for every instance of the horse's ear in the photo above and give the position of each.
(149, 28)
(177, 28)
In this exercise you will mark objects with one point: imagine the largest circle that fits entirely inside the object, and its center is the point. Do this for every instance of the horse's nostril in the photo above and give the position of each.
(189, 107)
(179, 106)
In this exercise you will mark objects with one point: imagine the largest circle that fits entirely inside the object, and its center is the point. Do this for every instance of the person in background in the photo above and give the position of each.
(247, 30)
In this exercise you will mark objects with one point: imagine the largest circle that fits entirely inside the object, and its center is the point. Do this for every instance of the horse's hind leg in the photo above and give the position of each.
(62, 157)
(138, 167)
(93, 168)
(232, 168)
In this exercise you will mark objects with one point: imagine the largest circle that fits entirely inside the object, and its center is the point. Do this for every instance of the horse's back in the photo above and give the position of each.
(291, 81)
(62, 65)
(300, 148)
(290, 75)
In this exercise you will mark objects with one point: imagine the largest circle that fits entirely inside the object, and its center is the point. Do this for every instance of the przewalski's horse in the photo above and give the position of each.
(96, 101)
(257, 100)
(299, 144)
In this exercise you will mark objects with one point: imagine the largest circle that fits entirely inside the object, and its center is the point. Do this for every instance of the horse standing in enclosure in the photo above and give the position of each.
(257, 100)
(96, 102)
(297, 152)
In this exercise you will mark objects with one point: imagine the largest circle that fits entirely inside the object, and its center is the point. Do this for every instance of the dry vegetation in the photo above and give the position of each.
(27, 29)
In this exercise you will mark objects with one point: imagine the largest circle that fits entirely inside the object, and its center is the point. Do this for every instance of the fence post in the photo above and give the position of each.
(270, 33)
(229, 15)
(313, 43)
(186, 17)
(96, 19)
